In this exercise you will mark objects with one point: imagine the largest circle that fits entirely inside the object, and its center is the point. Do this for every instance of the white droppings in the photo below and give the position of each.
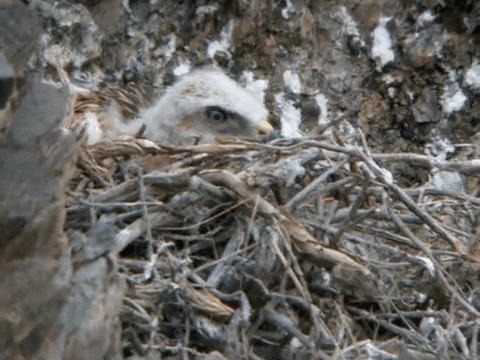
(292, 82)
(382, 51)
(453, 99)
(472, 76)
(170, 46)
(388, 79)
(295, 343)
(93, 130)
(439, 148)
(349, 25)
(147, 144)
(203, 10)
(428, 265)
(421, 297)
(148, 269)
(290, 117)
(257, 87)
(182, 69)
(288, 10)
(392, 92)
(449, 181)
(224, 43)
(322, 104)
(248, 76)
(428, 325)
(425, 18)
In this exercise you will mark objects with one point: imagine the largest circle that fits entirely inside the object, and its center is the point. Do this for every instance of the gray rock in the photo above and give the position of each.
(51, 301)
(426, 108)
(19, 31)
(7, 78)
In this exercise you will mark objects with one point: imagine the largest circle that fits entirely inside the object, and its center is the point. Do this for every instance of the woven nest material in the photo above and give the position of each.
(297, 247)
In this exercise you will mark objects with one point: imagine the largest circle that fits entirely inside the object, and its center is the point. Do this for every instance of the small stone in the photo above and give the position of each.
(427, 107)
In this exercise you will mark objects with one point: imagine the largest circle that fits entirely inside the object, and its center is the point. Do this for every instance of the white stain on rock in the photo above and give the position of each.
(170, 46)
(453, 99)
(258, 87)
(224, 43)
(449, 181)
(472, 77)
(425, 18)
(290, 116)
(382, 51)
(289, 10)
(349, 25)
(182, 69)
(322, 103)
(292, 82)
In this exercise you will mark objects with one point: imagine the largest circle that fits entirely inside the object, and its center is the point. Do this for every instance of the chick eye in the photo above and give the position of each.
(216, 114)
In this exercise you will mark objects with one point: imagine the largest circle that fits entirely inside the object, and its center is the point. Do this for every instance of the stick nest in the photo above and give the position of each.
(297, 247)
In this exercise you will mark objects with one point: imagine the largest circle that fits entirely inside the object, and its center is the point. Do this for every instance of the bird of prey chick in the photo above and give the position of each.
(202, 106)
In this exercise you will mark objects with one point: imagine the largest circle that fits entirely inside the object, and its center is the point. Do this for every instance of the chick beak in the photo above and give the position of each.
(264, 127)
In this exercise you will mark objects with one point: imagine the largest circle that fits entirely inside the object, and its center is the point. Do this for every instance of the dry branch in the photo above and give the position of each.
(273, 241)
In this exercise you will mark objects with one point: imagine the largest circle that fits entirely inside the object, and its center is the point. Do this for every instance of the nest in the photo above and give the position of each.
(299, 247)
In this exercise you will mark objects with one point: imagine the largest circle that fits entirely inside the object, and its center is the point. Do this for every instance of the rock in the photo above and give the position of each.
(53, 305)
(110, 16)
(7, 81)
(19, 31)
(41, 109)
(18, 40)
(426, 108)
(423, 49)
(7, 78)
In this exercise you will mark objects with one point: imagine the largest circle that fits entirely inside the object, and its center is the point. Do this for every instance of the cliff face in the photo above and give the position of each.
(405, 74)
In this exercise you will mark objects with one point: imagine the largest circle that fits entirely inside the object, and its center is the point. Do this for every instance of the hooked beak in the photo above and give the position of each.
(264, 127)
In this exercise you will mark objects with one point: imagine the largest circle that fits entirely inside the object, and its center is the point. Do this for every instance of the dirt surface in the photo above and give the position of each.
(332, 256)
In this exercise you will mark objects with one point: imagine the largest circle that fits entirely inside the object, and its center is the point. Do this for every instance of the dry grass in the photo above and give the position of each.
(292, 247)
